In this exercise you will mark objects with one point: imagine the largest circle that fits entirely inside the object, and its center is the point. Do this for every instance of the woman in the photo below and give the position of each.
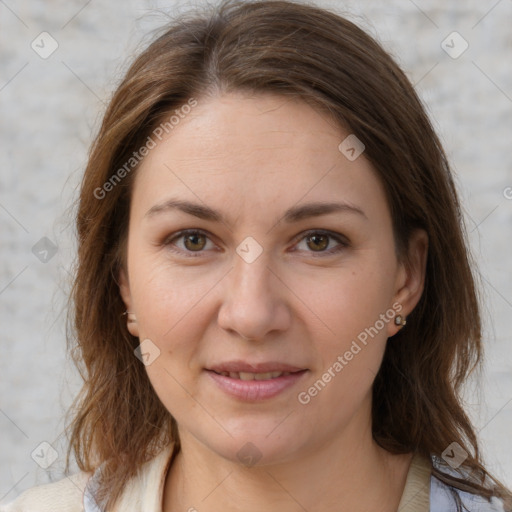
(273, 304)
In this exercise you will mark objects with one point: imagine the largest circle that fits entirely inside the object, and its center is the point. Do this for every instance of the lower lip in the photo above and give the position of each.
(255, 390)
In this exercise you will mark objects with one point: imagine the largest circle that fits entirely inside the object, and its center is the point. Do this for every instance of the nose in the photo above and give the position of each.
(254, 301)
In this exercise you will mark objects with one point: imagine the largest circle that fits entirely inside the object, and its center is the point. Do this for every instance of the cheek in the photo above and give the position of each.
(168, 298)
(170, 304)
(350, 331)
(348, 301)
(349, 353)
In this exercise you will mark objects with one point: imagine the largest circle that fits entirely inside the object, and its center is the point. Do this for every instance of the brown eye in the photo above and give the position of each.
(322, 243)
(191, 242)
(194, 241)
(317, 242)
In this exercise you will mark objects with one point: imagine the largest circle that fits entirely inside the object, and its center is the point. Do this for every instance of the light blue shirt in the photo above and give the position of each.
(442, 497)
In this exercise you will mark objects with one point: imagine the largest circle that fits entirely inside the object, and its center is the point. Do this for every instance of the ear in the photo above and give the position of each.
(410, 280)
(124, 289)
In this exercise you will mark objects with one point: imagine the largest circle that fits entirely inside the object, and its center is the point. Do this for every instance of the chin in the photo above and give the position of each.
(254, 446)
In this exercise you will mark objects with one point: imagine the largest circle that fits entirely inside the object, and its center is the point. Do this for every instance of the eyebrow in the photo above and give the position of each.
(294, 214)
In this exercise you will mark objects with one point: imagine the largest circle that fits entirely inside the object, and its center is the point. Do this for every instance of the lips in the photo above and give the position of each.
(255, 381)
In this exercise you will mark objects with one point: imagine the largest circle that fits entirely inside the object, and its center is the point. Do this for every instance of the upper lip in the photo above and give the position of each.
(243, 366)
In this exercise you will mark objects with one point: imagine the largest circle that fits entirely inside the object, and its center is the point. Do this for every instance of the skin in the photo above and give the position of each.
(252, 158)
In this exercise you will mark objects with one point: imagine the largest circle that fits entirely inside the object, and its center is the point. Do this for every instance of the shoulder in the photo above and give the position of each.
(444, 497)
(65, 495)
(76, 493)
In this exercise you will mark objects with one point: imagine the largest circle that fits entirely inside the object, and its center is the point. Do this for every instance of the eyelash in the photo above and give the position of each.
(343, 243)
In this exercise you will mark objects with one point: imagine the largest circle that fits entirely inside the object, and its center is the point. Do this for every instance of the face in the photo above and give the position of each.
(262, 275)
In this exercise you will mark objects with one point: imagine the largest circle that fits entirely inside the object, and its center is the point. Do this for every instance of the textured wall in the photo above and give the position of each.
(51, 105)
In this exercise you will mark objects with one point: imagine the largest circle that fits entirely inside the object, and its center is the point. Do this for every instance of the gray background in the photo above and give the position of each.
(51, 107)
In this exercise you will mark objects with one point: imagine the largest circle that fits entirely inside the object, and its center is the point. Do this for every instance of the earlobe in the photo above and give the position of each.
(410, 281)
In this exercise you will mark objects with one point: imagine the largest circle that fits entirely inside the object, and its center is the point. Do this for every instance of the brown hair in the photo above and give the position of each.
(305, 52)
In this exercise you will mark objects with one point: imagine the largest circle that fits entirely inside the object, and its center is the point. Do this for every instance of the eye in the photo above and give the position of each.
(194, 241)
(317, 241)
(190, 241)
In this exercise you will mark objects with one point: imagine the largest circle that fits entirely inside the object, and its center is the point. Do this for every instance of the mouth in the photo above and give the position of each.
(254, 376)
(255, 382)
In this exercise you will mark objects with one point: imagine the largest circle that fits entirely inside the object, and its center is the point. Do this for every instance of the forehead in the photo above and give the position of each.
(243, 151)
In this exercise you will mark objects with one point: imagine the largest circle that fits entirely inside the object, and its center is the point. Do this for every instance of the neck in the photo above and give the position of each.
(350, 472)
